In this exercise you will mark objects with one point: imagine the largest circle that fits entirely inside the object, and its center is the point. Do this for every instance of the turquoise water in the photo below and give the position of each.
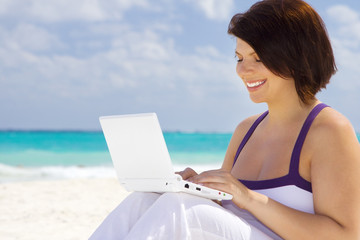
(42, 154)
(29, 155)
(89, 148)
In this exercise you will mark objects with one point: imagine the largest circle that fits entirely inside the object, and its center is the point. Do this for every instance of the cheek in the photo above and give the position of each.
(238, 70)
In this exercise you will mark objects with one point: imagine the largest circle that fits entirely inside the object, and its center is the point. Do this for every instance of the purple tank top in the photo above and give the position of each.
(293, 177)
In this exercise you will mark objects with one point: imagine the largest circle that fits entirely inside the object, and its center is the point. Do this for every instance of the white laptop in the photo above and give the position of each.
(141, 159)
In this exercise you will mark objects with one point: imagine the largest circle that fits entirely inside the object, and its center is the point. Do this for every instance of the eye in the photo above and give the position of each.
(238, 59)
(257, 59)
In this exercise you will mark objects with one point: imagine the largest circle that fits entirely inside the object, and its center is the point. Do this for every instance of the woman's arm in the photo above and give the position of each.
(335, 177)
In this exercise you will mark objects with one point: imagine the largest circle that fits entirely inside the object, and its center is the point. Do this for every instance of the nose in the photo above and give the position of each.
(244, 69)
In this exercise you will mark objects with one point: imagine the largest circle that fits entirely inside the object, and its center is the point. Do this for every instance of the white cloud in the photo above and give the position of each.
(68, 10)
(135, 60)
(347, 21)
(119, 63)
(208, 51)
(30, 37)
(343, 14)
(345, 38)
(215, 9)
(4, 5)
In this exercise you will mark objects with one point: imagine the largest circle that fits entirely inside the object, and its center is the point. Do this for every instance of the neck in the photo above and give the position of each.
(290, 111)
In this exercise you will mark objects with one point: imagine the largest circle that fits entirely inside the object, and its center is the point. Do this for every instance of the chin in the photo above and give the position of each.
(256, 99)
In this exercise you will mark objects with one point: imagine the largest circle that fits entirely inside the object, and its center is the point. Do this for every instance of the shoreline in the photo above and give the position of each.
(63, 209)
(9, 173)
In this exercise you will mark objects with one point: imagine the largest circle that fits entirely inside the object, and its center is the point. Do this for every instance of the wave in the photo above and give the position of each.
(20, 173)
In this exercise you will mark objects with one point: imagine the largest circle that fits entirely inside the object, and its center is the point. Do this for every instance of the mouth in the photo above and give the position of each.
(255, 84)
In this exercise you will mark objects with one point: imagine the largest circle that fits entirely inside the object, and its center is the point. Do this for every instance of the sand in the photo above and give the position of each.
(58, 209)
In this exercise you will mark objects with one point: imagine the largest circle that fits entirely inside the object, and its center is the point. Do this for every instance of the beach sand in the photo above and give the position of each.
(56, 209)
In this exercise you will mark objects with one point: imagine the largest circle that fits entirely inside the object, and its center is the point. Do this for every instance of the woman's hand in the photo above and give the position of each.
(187, 174)
(223, 180)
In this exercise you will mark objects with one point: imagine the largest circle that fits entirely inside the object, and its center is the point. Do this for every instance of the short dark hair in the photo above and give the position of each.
(291, 40)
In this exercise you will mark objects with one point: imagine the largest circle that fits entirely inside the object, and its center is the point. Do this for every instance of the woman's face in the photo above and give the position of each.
(262, 84)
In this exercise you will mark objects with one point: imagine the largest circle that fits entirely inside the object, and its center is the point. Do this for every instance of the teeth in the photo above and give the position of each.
(255, 84)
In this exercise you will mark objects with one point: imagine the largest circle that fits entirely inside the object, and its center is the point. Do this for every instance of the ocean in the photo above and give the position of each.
(44, 155)
(39, 155)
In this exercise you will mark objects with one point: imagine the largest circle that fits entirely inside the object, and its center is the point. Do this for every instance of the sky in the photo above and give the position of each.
(64, 63)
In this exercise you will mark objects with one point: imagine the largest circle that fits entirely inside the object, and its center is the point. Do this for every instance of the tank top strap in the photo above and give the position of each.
(248, 134)
(295, 156)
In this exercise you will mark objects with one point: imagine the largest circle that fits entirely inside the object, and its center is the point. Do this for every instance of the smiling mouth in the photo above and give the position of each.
(255, 84)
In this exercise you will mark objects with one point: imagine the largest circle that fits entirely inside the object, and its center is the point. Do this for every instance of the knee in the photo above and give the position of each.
(138, 200)
(142, 196)
(180, 200)
(169, 196)
(185, 198)
(170, 201)
(174, 197)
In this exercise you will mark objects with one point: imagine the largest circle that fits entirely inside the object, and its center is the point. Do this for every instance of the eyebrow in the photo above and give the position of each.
(252, 53)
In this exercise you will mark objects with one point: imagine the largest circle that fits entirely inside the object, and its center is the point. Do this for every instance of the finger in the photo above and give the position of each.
(187, 173)
(219, 176)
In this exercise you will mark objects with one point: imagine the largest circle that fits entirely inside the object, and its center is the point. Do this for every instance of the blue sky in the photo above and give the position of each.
(64, 63)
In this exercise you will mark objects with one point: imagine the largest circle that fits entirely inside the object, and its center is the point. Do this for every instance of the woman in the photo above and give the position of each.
(298, 163)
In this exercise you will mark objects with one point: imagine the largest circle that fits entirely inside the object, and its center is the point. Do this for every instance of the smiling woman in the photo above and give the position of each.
(285, 167)
(297, 59)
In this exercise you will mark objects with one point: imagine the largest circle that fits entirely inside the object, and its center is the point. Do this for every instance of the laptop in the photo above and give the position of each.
(141, 159)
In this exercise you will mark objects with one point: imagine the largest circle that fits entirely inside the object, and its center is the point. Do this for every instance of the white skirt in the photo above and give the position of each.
(173, 216)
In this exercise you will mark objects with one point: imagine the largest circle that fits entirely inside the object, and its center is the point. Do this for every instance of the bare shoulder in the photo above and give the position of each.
(244, 126)
(239, 133)
(334, 146)
(331, 127)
